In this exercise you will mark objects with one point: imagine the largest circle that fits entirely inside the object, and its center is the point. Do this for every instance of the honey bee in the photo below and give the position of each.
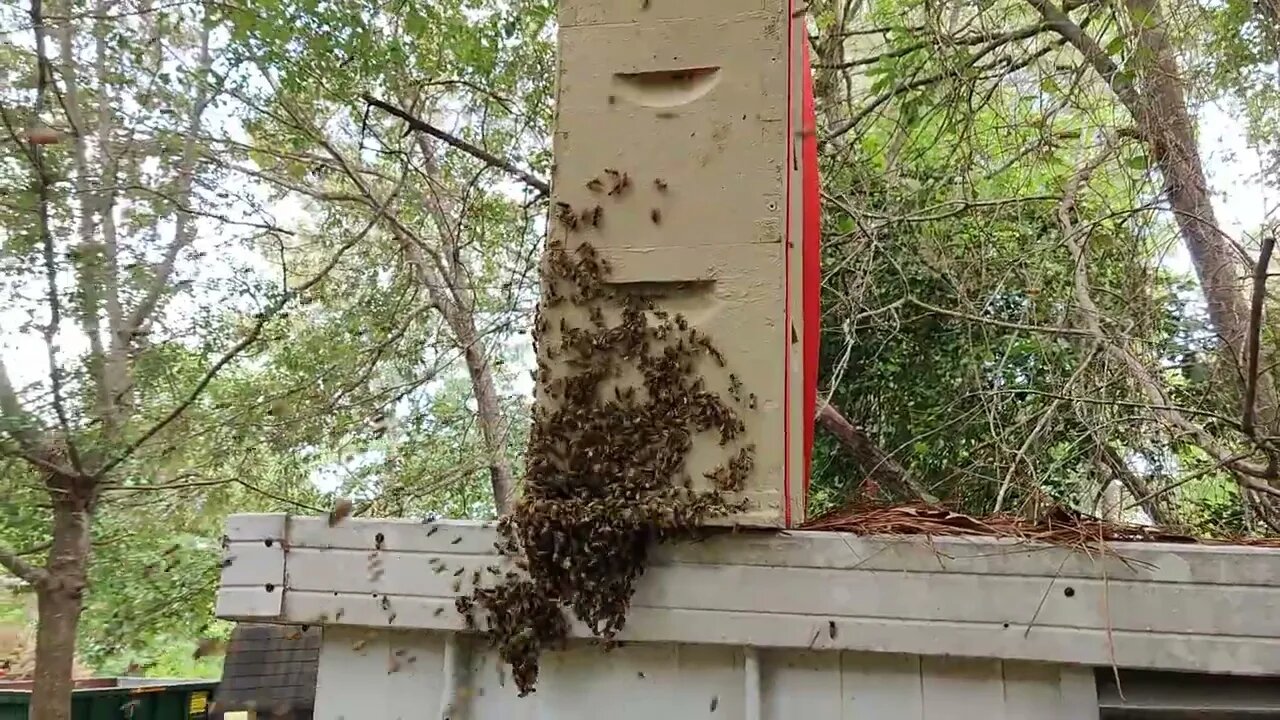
(606, 470)
(566, 215)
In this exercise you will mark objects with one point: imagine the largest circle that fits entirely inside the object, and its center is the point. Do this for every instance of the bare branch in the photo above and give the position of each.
(250, 337)
(11, 561)
(997, 323)
(971, 62)
(873, 460)
(962, 40)
(1090, 317)
(184, 232)
(43, 188)
(1255, 330)
(1152, 502)
(1061, 23)
(479, 153)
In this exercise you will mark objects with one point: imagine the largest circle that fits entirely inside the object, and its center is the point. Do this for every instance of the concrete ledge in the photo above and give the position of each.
(1155, 606)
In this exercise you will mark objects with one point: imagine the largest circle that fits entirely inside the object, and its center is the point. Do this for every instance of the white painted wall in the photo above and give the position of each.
(368, 674)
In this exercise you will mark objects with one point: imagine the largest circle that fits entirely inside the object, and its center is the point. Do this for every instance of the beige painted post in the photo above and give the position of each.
(692, 100)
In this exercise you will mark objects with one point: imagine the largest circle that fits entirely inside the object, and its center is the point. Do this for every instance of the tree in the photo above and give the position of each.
(977, 145)
(107, 192)
(348, 103)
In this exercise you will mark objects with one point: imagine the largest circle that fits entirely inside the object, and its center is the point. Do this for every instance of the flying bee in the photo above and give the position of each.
(656, 216)
(660, 184)
(594, 185)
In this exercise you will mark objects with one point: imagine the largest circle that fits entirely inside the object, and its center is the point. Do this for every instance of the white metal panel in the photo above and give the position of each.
(1029, 688)
(1079, 693)
(962, 689)
(256, 526)
(880, 686)
(253, 566)
(801, 684)
(1170, 607)
(381, 675)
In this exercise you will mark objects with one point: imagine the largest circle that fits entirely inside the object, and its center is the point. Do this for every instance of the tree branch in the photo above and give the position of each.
(184, 232)
(1255, 331)
(11, 561)
(1090, 318)
(870, 457)
(43, 183)
(250, 337)
(969, 63)
(963, 40)
(479, 153)
(1094, 54)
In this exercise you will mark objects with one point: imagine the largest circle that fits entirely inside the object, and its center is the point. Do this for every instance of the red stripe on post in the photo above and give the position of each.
(812, 270)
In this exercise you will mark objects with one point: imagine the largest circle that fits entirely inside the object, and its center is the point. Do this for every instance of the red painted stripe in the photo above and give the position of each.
(812, 238)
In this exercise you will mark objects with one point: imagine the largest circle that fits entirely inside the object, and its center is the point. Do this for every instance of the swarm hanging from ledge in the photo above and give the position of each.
(619, 409)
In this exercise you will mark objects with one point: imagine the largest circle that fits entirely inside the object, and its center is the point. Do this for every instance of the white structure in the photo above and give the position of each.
(697, 102)
(772, 626)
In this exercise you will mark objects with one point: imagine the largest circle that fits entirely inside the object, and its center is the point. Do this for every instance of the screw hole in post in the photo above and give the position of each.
(379, 539)
(271, 587)
(1069, 592)
(268, 542)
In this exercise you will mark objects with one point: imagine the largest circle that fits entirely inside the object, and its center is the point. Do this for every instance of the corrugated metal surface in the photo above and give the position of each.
(381, 675)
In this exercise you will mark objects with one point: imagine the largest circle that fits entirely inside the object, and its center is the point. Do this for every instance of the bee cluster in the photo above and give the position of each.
(620, 406)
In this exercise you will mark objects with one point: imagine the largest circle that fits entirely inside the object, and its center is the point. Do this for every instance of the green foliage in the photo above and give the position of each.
(952, 327)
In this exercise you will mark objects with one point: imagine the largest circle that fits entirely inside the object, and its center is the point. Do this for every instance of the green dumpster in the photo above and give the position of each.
(122, 699)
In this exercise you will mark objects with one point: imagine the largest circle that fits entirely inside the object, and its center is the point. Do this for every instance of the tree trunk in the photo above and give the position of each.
(1157, 100)
(489, 413)
(60, 599)
(1170, 132)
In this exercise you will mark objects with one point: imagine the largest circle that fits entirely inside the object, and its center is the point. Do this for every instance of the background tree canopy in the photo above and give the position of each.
(256, 256)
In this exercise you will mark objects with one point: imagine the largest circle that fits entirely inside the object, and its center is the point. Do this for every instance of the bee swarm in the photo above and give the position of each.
(606, 475)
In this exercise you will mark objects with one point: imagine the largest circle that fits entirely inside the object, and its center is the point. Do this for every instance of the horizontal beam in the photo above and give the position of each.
(1156, 606)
